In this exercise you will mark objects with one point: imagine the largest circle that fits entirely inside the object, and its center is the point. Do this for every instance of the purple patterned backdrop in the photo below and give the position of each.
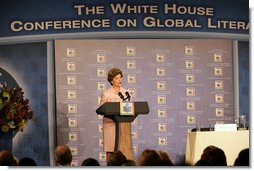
(186, 83)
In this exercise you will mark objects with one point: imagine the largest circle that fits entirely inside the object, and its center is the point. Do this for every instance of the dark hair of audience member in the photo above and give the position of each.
(90, 162)
(117, 158)
(165, 159)
(149, 158)
(243, 158)
(27, 161)
(215, 156)
(207, 151)
(202, 162)
(7, 159)
(129, 163)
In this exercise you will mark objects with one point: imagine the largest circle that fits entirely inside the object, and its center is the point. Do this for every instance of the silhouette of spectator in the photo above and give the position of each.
(149, 158)
(243, 158)
(117, 158)
(165, 159)
(27, 161)
(90, 162)
(215, 156)
(207, 151)
(202, 162)
(63, 156)
(129, 163)
(7, 159)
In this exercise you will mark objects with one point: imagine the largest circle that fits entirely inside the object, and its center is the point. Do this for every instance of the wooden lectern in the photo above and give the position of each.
(123, 140)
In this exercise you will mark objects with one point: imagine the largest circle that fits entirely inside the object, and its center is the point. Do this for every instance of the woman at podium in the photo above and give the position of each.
(113, 94)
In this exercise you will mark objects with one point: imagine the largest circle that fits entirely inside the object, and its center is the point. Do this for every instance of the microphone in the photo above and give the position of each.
(128, 95)
(121, 96)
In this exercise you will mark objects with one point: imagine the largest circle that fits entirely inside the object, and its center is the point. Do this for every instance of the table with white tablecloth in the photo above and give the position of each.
(231, 142)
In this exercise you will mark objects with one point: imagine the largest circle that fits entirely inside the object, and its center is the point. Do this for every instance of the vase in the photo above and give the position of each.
(6, 141)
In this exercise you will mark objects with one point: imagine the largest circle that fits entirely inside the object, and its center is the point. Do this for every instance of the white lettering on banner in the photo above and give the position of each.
(17, 26)
(131, 16)
(18, 23)
(223, 24)
(133, 9)
(126, 23)
(84, 10)
(188, 10)
(153, 22)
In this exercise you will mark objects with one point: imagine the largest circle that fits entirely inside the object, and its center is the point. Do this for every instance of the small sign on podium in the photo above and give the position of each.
(126, 108)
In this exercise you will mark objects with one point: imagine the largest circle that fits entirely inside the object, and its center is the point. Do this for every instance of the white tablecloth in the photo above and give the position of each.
(231, 142)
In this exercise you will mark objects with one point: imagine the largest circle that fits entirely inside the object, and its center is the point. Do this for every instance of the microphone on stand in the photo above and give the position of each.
(128, 95)
(121, 96)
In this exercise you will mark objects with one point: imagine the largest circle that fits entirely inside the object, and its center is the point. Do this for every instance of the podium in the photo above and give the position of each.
(123, 140)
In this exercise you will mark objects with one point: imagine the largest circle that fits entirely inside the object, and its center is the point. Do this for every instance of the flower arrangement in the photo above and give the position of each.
(14, 109)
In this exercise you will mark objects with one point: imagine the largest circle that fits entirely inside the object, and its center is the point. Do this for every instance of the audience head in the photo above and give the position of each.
(165, 159)
(215, 156)
(63, 155)
(243, 158)
(27, 161)
(202, 162)
(129, 163)
(206, 152)
(117, 158)
(90, 162)
(7, 159)
(149, 158)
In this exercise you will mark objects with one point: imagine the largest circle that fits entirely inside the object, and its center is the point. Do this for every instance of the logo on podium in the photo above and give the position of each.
(126, 108)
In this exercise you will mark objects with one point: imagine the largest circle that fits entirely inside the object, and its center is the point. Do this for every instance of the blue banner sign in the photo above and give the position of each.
(30, 17)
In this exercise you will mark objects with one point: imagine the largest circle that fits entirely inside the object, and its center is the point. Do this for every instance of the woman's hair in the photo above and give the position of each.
(90, 162)
(117, 158)
(215, 156)
(112, 73)
(207, 151)
(243, 158)
(165, 158)
(27, 161)
(149, 158)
